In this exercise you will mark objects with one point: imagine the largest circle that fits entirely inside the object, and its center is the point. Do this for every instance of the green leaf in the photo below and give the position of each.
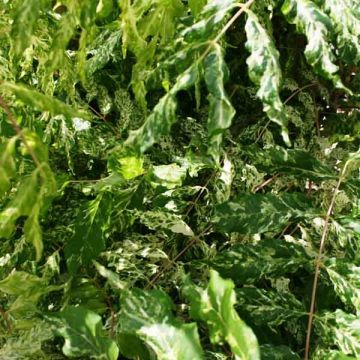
(290, 161)
(7, 164)
(89, 238)
(264, 71)
(196, 6)
(111, 277)
(83, 334)
(158, 123)
(347, 27)
(101, 55)
(257, 213)
(156, 220)
(340, 329)
(221, 111)
(267, 259)
(23, 27)
(325, 354)
(42, 102)
(280, 352)
(215, 306)
(131, 167)
(169, 176)
(148, 315)
(269, 308)
(317, 27)
(32, 229)
(346, 280)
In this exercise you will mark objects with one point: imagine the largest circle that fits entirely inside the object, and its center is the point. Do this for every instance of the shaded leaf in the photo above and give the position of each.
(89, 238)
(256, 213)
(248, 263)
(83, 334)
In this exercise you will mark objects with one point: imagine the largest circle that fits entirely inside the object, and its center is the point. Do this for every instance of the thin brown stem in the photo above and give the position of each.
(318, 263)
(176, 258)
(265, 183)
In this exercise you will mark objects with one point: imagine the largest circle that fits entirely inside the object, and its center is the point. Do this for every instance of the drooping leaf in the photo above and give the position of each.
(317, 27)
(148, 315)
(347, 27)
(215, 306)
(256, 213)
(221, 111)
(89, 238)
(42, 102)
(7, 164)
(25, 19)
(83, 334)
(159, 122)
(264, 71)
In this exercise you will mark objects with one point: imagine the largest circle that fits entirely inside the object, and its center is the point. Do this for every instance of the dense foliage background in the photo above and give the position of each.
(179, 179)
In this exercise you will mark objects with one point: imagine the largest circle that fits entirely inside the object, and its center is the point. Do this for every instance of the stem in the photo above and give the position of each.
(318, 262)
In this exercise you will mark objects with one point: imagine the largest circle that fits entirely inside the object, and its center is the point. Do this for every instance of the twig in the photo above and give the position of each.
(318, 262)
(266, 182)
(176, 258)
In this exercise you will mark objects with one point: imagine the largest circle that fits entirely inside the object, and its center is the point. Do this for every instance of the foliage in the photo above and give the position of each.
(171, 172)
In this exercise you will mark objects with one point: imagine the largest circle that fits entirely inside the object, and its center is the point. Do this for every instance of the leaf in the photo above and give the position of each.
(32, 229)
(211, 18)
(7, 164)
(221, 111)
(325, 354)
(264, 71)
(340, 329)
(148, 316)
(346, 280)
(347, 27)
(111, 276)
(25, 19)
(196, 6)
(290, 161)
(83, 334)
(89, 239)
(269, 308)
(131, 167)
(280, 352)
(159, 122)
(101, 55)
(317, 27)
(42, 102)
(257, 213)
(20, 283)
(215, 306)
(156, 220)
(169, 176)
(267, 259)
